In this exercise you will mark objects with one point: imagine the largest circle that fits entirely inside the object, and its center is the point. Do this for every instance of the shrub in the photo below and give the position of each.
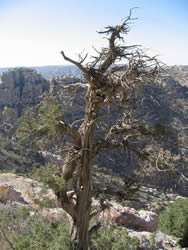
(23, 231)
(113, 237)
(174, 221)
(19, 230)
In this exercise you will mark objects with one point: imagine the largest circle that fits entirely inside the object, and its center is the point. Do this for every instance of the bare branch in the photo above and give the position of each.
(78, 64)
(117, 68)
(114, 51)
(169, 169)
(82, 59)
(72, 132)
(76, 121)
(73, 86)
(182, 175)
(106, 145)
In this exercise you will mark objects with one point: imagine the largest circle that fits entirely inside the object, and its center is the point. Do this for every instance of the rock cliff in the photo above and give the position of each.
(20, 87)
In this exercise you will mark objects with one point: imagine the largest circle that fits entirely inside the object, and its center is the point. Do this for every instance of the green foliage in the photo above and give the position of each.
(158, 130)
(47, 175)
(50, 175)
(113, 237)
(174, 221)
(9, 113)
(45, 124)
(3, 141)
(24, 231)
(146, 130)
(28, 126)
(166, 165)
(50, 113)
(42, 236)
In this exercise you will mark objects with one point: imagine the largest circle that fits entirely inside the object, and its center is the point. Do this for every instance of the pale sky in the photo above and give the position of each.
(33, 32)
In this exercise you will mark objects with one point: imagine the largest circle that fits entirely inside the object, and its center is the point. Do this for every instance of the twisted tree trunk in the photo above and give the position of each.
(80, 228)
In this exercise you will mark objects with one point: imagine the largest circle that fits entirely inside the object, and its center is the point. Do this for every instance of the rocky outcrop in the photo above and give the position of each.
(129, 217)
(18, 191)
(154, 241)
(7, 193)
(21, 86)
(23, 190)
(14, 188)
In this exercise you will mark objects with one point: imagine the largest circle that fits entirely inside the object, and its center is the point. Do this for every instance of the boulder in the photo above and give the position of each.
(18, 191)
(14, 188)
(129, 217)
(8, 193)
(55, 215)
(154, 241)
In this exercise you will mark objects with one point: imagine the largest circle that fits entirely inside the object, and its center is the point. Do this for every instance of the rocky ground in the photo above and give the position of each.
(18, 191)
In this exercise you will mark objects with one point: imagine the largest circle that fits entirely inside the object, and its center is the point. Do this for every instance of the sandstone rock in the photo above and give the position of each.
(144, 238)
(140, 220)
(55, 214)
(22, 190)
(17, 191)
(166, 241)
(150, 241)
(21, 86)
(8, 193)
(28, 191)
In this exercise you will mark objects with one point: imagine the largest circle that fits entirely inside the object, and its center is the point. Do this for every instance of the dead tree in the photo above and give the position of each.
(109, 84)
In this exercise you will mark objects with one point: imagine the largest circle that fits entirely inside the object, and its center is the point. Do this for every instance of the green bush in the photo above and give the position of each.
(42, 237)
(26, 232)
(113, 237)
(174, 221)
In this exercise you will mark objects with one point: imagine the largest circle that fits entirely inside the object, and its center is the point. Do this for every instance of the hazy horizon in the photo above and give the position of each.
(34, 32)
(66, 65)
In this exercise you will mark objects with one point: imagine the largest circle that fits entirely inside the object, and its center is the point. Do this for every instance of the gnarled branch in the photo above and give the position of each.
(73, 86)
(78, 64)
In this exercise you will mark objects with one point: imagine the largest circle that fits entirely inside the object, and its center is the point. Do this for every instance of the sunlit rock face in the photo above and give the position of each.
(21, 86)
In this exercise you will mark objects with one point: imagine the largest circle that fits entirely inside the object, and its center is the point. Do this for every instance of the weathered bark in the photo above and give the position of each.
(80, 237)
(81, 221)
